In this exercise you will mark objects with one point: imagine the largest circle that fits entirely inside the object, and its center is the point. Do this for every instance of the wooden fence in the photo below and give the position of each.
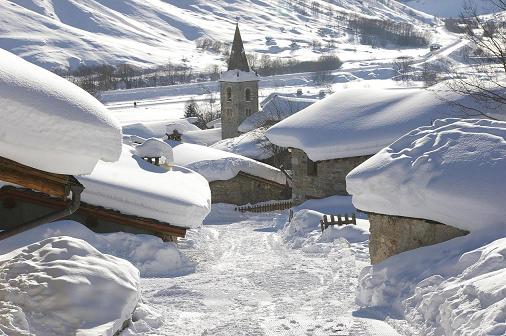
(331, 220)
(272, 206)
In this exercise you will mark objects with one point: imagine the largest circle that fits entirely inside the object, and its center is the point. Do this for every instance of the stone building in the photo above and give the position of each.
(238, 89)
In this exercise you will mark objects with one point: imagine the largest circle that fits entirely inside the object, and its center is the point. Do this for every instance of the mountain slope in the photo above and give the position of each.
(56, 33)
(450, 8)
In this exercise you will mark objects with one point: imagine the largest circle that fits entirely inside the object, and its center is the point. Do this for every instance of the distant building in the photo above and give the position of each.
(239, 90)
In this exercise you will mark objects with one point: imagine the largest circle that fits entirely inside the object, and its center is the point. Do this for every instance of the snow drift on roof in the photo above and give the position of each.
(133, 186)
(215, 164)
(153, 148)
(158, 129)
(206, 137)
(275, 109)
(51, 124)
(361, 121)
(253, 144)
(239, 76)
(453, 172)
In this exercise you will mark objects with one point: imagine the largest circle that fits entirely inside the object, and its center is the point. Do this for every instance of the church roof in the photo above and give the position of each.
(238, 60)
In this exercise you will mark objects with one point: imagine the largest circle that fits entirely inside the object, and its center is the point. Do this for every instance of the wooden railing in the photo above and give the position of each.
(331, 220)
(265, 207)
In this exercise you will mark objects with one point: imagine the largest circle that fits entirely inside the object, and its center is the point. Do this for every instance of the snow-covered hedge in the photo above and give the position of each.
(453, 172)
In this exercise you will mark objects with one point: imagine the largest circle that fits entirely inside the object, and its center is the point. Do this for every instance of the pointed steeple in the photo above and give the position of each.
(238, 60)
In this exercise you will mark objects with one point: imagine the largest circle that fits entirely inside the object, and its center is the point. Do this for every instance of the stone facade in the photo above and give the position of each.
(245, 188)
(239, 100)
(391, 235)
(322, 178)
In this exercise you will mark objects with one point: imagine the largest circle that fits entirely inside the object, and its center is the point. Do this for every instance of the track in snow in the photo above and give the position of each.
(248, 283)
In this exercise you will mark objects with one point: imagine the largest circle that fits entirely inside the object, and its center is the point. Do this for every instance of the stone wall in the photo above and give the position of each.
(245, 188)
(330, 178)
(234, 111)
(391, 235)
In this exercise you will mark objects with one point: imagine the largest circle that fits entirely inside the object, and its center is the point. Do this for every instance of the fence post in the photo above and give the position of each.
(354, 218)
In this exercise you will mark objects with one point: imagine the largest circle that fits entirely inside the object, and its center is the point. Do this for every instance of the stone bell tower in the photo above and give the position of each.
(239, 90)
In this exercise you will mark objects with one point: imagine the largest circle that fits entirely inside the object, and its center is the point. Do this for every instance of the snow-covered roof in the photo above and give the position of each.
(51, 124)
(239, 76)
(206, 137)
(158, 129)
(153, 147)
(214, 123)
(215, 164)
(275, 109)
(453, 172)
(253, 144)
(133, 186)
(361, 121)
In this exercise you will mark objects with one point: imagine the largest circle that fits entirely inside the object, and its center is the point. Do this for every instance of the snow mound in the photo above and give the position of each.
(63, 286)
(158, 129)
(216, 164)
(454, 288)
(453, 172)
(276, 108)
(152, 256)
(51, 124)
(133, 186)
(155, 148)
(206, 137)
(253, 144)
(361, 121)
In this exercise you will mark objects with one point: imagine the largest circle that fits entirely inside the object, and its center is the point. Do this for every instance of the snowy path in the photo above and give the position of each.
(248, 283)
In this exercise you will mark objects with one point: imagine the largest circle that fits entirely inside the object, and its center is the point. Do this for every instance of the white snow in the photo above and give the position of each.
(158, 129)
(152, 256)
(64, 286)
(451, 8)
(275, 108)
(239, 76)
(206, 137)
(453, 172)
(361, 121)
(49, 123)
(215, 164)
(253, 144)
(156, 148)
(133, 186)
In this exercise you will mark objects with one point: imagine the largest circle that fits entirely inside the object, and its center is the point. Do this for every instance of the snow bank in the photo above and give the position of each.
(454, 288)
(133, 186)
(215, 164)
(361, 121)
(63, 286)
(152, 256)
(453, 172)
(274, 109)
(206, 137)
(51, 124)
(155, 148)
(158, 129)
(253, 144)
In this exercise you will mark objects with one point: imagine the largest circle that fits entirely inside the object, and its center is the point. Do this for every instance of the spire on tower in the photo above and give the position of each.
(238, 60)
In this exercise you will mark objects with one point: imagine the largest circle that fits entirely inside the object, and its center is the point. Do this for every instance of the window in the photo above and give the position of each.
(312, 168)
(247, 95)
(229, 94)
(248, 112)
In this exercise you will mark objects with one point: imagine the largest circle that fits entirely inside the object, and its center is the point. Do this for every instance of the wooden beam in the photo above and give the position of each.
(52, 184)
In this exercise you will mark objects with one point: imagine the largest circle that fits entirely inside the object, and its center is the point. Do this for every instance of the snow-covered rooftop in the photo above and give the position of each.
(453, 172)
(253, 144)
(275, 108)
(361, 121)
(206, 137)
(239, 76)
(51, 124)
(158, 129)
(215, 164)
(133, 186)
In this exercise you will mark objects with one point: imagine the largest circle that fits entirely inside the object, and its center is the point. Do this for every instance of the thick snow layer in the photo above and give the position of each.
(361, 121)
(451, 8)
(155, 148)
(133, 186)
(206, 137)
(215, 164)
(253, 144)
(64, 286)
(49, 123)
(149, 254)
(454, 288)
(275, 109)
(453, 172)
(158, 129)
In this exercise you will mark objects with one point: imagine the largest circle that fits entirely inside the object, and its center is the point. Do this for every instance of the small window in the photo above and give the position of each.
(229, 94)
(248, 112)
(247, 94)
(312, 168)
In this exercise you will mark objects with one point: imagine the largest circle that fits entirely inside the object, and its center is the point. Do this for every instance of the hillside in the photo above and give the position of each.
(62, 34)
(450, 8)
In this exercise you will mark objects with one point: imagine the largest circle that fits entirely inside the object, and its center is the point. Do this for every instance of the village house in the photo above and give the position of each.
(333, 136)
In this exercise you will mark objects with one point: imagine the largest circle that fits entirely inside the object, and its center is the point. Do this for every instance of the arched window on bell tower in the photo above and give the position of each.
(229, 94)
(247, 94)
